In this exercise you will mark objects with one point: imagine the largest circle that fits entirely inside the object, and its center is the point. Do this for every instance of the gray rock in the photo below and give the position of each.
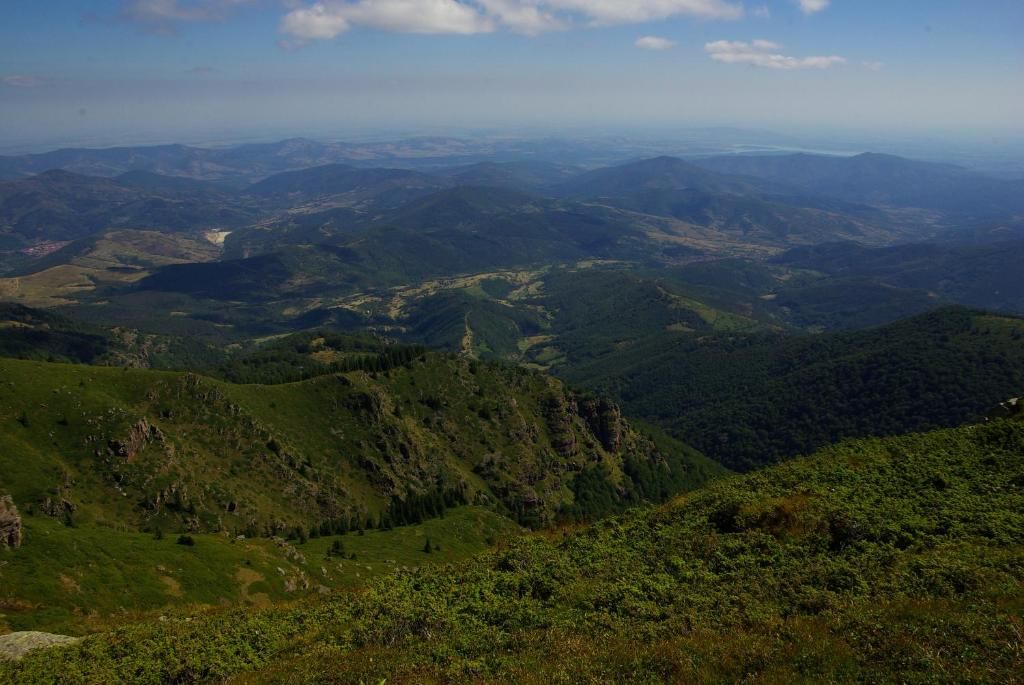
(14, 646)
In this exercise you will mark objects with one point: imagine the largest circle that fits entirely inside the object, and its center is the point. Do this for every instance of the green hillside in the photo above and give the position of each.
(146, 448)
(748, 400)
(879, 560)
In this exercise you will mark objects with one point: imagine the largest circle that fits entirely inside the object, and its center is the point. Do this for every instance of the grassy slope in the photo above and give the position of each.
(880, 560)
(87, 578)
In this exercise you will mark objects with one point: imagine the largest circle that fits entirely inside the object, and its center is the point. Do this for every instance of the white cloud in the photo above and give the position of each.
(317, 22)
(523, 17)
(812, 6)
(326, 19)
(21, 81)
(417, 16)
(654, 43)
(764, 53)
(762, 12)
(873, 66)
(630, 11)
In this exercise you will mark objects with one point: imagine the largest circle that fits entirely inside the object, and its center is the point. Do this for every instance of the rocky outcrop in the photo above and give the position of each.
(558, 416)
(10, 523)
(57, 508)
(604, 418)
(140, 434)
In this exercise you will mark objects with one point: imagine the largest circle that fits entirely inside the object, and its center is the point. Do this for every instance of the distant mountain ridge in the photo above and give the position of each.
(340, 179)
(241, 165)
(664, 172)
(759, 210)
(881, 179)
(245, 163)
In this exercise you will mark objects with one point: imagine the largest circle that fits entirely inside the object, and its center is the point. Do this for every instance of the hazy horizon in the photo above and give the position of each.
(197, 71)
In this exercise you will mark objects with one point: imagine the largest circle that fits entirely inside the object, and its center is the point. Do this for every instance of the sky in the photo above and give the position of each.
(184, 69)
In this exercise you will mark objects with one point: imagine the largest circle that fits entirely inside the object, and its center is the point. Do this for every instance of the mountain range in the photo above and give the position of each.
(440, 410)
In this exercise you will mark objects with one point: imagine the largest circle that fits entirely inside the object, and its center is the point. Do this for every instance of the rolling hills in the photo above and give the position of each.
(761, 211)
(338, 412)
(346, 185)
(985, 275)
(60, 206)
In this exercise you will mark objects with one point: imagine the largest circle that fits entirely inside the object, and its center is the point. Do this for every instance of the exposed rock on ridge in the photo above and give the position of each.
(10, 523)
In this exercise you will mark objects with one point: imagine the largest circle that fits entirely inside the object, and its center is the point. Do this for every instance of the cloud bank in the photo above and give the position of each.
(765, 54)
(327, 19)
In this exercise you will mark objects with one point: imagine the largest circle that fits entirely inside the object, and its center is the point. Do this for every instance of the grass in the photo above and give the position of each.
(88, 578)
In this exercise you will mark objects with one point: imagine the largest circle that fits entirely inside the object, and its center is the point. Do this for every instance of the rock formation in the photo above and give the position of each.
(10, 523)
(141, 433)
(604, 418)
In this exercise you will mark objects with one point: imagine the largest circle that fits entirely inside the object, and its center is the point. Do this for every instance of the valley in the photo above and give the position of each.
(328, 412)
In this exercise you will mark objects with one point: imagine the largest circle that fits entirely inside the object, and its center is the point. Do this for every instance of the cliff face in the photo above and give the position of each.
(604, 419)
(10, 523)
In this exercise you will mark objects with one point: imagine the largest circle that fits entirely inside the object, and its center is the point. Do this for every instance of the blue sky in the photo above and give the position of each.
(187, 68)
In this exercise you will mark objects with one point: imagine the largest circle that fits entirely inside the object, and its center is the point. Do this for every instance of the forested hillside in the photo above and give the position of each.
(751, 399)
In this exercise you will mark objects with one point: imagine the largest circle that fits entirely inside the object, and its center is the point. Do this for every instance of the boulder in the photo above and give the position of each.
(13, 646)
